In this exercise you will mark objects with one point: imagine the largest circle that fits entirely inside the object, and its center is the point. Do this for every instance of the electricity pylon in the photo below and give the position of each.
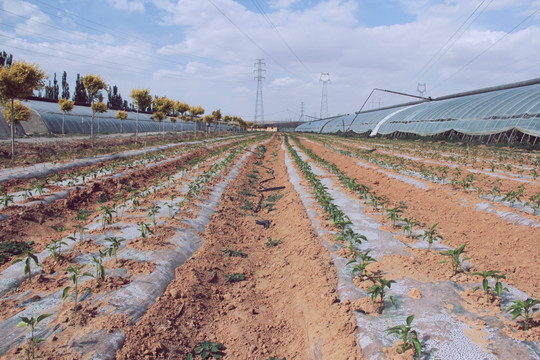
(325, 78)
(259, 99)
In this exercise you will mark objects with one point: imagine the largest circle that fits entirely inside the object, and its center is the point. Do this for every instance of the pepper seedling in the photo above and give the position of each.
(526, 309)
(28, 257)
(32, 323)
(408, 336)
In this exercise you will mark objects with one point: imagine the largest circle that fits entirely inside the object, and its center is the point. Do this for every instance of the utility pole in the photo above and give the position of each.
(325, 78)
(421, 89)
(301, 111)
(259, 98)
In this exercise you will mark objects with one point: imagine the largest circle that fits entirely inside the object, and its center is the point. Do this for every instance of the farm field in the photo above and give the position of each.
(271, 247)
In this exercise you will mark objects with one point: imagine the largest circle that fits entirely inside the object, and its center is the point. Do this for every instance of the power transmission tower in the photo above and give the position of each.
(421, 89)
(301, 111)
(325, 78)
(259, 99)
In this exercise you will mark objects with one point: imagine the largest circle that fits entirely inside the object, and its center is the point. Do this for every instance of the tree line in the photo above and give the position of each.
(19, 80)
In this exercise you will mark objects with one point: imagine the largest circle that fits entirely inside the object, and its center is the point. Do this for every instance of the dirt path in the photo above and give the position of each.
(287, 305)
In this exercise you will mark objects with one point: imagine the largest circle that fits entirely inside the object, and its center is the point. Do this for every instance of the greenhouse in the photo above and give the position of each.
(505, 113)
(47, 118)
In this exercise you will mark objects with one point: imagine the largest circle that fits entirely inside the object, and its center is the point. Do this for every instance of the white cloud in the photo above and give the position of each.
(134, 5)
(202, 58)
(282, 4)
(285, 81)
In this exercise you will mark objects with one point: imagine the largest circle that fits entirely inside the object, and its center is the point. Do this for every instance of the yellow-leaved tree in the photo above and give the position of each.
(181, 108)
(17, 113)
(163, 106)
(93, 85)
(141, 99)
(195, 111)
(216, 117)
(19, 81)
(121, 115)
(65, 106)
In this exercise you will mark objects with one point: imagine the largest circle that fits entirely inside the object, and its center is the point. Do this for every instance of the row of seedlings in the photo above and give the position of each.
(95, 269)
(360, 260)
(485, 187)
(519, 309)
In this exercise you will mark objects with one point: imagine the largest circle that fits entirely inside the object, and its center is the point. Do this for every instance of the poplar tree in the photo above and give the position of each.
(80, 96)
(65, 86)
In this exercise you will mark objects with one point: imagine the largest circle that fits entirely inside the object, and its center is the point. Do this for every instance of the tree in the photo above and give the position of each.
(163, 106)
(51, 90)
(181, 108)
(243, 124)
(196, 111)
(65, 86)
(19, 82)
(115, 99)
(98, 107)
(65, 106)
(216, 117)
(207, 120)
(20, 113)
(142, 99)
(56, 90)
(5, 59)
(93, 85)
(80, 96)
(121, 115)
(159, 116)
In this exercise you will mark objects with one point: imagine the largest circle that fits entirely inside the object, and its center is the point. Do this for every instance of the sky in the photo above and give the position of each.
(204, 52)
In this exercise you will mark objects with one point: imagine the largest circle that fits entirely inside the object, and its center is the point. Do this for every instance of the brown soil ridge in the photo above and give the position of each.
(492, 243)
(286, 307)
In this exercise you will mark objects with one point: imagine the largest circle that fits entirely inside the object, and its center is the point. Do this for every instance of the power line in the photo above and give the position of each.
(447, 46)
(81, 35)
(125, 36)
(247, 36)
(258, 5)
(492, 45)
(112, 65)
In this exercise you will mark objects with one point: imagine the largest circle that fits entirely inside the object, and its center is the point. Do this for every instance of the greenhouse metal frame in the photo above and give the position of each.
(508, 113)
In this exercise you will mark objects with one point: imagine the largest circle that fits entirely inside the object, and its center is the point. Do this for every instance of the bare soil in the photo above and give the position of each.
(492, 242)
(286, 305)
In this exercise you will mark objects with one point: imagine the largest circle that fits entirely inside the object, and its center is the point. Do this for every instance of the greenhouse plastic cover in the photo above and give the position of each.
(481, 112)
(78, 121)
